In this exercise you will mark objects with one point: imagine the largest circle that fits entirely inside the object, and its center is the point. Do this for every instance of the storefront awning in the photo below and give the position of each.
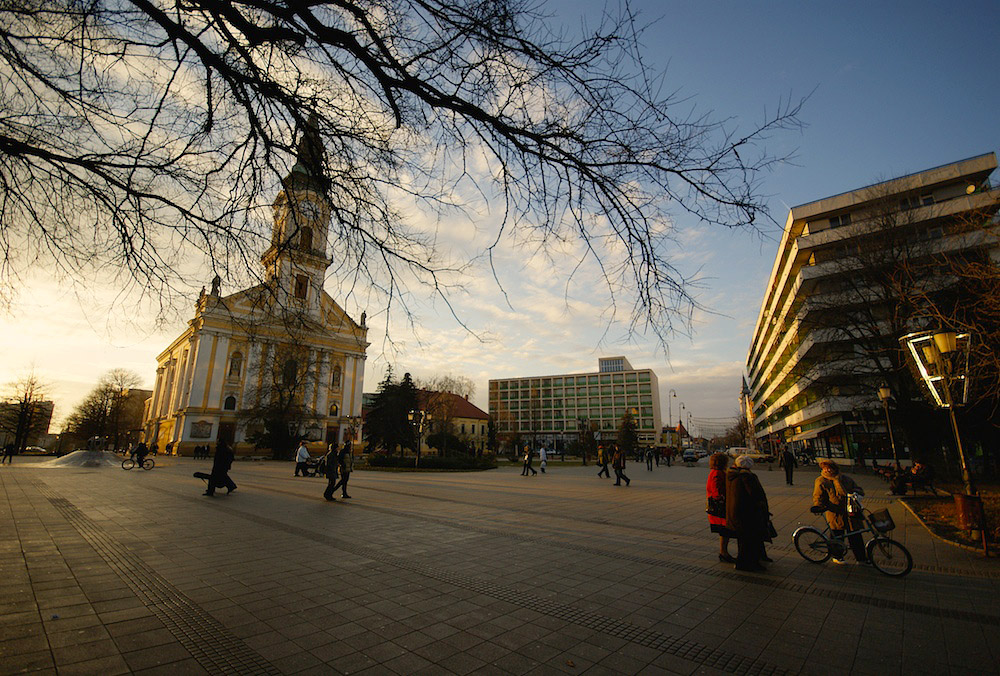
(813, 433)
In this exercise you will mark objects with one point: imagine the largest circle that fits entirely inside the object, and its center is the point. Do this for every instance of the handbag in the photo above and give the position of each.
(716, 507)
(772, 533)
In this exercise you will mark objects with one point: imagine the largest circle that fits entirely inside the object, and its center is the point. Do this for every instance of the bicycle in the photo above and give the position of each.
(888, 556)
(129, 463)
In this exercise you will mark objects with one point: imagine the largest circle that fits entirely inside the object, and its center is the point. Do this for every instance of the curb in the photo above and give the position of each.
(953, 543)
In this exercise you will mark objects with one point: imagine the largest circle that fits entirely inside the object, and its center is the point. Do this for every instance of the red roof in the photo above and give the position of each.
(460, 406)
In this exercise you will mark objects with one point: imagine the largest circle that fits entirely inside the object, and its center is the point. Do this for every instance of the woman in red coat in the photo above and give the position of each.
(715, 490)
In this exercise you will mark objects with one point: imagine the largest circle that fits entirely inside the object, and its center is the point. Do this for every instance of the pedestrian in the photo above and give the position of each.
(8, 454)
(789, 462)
(649, 459)
(670, 455)
(656, 455)
(332, 475)
(543, 456)
(527, 463)
(220, 469)
(602, 460)
(715, 492)
(345, 463)
(153, 448)
(618, 463)
(830, 492)
(747, 514)
(302, 458)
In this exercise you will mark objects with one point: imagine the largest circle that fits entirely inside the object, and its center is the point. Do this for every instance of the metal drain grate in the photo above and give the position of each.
(202, 635)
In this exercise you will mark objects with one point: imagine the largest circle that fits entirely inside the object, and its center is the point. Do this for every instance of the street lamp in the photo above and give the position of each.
(884, 394)
(416, 418)
(672, 394)
(932, 355)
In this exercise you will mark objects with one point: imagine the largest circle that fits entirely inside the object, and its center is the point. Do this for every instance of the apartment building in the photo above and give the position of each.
(799, 364)
(549, 409)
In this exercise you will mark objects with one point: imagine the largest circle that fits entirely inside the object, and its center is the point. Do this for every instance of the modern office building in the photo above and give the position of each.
(799, 361)
(550, 409)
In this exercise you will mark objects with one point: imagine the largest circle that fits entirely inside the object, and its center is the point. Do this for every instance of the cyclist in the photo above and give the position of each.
(830, 493)
(139, 453)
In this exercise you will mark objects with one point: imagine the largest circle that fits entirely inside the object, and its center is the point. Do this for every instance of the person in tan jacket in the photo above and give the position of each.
(830, 491)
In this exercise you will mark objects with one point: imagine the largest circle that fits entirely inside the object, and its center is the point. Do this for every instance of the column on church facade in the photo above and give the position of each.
(168, 388)
(322, 404)
(192, 353)
(179, 373)
(251, 375)
(154, 407)
(218, 366)
(203, 348)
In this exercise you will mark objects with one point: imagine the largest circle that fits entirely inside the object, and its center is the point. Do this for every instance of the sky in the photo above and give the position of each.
(892, 87)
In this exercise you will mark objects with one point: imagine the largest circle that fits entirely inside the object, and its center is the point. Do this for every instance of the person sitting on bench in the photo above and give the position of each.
(921, 476)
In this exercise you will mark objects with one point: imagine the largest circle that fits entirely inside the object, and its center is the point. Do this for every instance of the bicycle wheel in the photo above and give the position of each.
(147, 464)
(889, 556)
(128, 463)
(811, 545)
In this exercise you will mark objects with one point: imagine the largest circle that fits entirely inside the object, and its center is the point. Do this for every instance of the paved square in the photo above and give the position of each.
(108, 572)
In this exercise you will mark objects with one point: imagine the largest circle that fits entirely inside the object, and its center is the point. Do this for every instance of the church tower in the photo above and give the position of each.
(297, 259)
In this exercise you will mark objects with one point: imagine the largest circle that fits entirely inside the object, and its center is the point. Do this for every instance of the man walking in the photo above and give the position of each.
(302, 458)
(649, 459)
(543, 456)
(220, 470)
(527, 462)
(789, 462)
(618, 463)
(332, 473)
(602, 460)
(8, 454)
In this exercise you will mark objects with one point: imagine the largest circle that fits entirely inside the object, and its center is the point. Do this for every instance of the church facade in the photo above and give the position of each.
(280, 354)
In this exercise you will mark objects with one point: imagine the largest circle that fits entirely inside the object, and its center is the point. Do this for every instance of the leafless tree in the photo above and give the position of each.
(137, 131)
(110, 410)
(24, 411)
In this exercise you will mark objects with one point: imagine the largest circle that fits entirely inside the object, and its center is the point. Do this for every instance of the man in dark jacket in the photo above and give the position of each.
(789, 462)
(746, 513)
(220, 470)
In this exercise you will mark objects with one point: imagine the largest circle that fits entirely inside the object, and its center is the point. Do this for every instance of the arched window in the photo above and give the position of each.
(290, 373)
(335, 410)
(306, 239)
(235, 364)
(335, 381)
(230, 403)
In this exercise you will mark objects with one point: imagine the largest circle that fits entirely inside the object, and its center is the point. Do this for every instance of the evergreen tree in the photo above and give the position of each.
(628, 436)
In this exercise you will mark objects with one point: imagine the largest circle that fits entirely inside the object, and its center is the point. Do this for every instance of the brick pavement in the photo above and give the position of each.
(112, 572)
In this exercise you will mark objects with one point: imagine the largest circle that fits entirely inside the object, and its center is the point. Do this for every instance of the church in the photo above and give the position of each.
(281, 355)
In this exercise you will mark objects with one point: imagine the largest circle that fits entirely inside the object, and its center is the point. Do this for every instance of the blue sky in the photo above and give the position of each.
(893, 88)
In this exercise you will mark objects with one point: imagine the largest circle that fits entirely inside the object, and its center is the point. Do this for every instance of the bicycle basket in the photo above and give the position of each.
(882, 521)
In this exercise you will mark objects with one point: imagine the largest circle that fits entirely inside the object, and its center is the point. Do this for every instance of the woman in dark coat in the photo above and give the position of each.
(746, 513)
(715, 490)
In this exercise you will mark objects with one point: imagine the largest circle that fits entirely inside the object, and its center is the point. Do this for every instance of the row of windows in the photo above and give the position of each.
(592, 390)
(555, 404)
(594, 379)
(229, 404)
(645, 426)
(289, 372)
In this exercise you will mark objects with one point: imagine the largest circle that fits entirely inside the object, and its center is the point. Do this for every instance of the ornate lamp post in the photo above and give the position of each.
(672, 394)
(416, 418)
(884, 395)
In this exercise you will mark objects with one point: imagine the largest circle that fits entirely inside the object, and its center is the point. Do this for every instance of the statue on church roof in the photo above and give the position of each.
(216, 285)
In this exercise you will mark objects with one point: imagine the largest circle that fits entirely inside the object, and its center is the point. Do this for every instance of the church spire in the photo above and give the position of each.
(309, 171)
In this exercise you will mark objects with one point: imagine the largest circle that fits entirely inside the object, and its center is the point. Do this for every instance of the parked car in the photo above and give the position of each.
(690, 455)
(734, 451)
(760, 458)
